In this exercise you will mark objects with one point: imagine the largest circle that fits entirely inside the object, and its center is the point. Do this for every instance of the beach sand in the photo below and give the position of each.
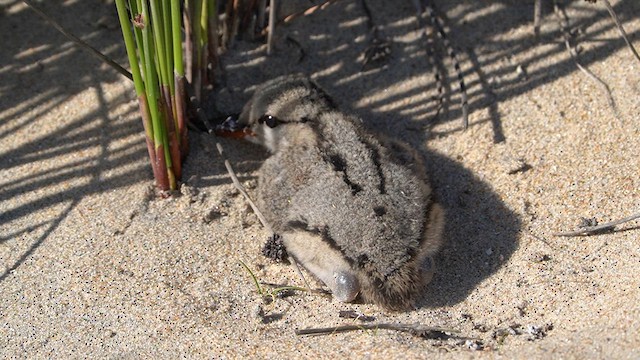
(94, 264)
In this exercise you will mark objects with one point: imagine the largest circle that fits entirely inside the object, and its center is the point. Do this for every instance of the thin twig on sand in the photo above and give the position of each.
(93, 51)
(427, 332)
(566, 34)
(614, 16)
(592, 230)
(307, 11)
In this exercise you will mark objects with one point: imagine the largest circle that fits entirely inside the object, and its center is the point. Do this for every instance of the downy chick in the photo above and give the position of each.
(353, 208)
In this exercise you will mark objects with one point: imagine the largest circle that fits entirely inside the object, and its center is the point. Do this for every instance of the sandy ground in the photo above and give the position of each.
(93, 264)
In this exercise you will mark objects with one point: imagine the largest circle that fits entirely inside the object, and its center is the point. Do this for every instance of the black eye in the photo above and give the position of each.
(269, 120)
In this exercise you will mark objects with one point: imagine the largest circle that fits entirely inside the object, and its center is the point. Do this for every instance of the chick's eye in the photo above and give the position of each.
(269, 120)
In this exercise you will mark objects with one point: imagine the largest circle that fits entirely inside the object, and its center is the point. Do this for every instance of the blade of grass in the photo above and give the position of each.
(176, 38)
(187, 18)
(157, 26)
(172, 149)
(255, 279)
(167, 20)
(163, 158)
(204, 31)
(212, 41)
(169, 89)
(180, 94)
(197, 47)
(130, 46)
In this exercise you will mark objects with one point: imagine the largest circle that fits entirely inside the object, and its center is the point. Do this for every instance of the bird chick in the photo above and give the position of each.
(353, 208)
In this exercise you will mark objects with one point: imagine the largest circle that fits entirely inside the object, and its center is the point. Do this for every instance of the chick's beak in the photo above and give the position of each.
(231, 128)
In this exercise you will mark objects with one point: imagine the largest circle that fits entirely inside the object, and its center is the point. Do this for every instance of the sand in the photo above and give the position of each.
(94, 264)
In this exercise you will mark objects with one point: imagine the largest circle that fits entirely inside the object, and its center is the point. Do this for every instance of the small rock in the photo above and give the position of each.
(192, 194)
(587, 222)
(475, 345)
(249, 218)
(539, 257)
(250, 184)
(214, 214)
(521, 72)
(535, 332)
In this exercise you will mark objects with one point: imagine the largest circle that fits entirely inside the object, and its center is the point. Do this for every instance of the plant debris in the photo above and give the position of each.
(597, 229)
(274, 249)
(352, 314)
(532, 332)
(423, 331)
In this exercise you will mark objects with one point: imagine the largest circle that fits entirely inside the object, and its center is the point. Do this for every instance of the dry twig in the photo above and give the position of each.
(272, 17)
(614, 16)
(93, 51)
(427, 332)
(566, 35)
(592, 230)
(308, 11)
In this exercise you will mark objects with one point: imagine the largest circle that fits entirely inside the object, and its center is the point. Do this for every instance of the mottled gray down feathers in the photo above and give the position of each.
(348, 204)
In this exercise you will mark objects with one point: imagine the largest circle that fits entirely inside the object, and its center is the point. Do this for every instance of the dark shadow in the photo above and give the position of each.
(271, 317)
(89, 133)
(83, 155)
(204, 167)
(37, 58)
(489, 98)
(481, 232)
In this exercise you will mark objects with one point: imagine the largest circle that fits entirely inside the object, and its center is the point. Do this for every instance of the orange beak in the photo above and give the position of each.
(231, 129)
(234, 134)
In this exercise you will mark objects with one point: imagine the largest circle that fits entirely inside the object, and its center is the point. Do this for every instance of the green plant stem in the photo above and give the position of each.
(167, 21)
(163, 158)
(158, 37)
(253, 276)
(179, 95)
(125, 24)
(130, 46)
(174, 144)
(197, 49)
(163, 41)
(204, 32)
(177, 41)
(181, 112)
(212, 36)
